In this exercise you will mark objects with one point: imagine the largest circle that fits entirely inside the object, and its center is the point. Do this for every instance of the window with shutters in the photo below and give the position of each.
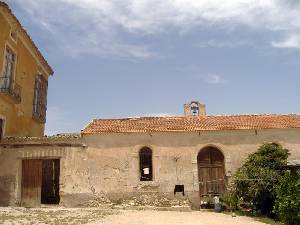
(8, 86)
(146, 164)
(40, 99)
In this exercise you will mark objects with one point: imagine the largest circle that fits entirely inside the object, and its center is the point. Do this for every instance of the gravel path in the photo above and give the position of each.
(97, 216)
(174, 218)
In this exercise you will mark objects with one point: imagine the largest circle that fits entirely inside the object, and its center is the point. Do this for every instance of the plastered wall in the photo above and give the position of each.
(18, 117)
(114, 158)
(109, 163)
(74, 174)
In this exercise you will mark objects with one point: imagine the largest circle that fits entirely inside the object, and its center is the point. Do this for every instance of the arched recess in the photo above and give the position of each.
(146, 169)
(211, 171)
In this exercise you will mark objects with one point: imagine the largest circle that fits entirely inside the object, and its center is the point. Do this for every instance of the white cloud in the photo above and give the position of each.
(195, 73)
(215, 79)
(292, 41)
(97, 26)
(222, 44)
(153, 15)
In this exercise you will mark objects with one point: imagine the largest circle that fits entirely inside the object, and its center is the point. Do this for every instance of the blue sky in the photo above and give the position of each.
(123, 58)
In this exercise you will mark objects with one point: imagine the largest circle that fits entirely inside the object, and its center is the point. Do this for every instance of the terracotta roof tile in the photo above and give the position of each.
(199, 123)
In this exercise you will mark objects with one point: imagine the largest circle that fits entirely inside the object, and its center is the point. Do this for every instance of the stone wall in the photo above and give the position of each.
(114, 158)
(74, 173)
(105, 167)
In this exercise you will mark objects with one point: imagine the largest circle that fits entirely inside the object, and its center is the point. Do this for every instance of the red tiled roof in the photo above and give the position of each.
(199, 123)
(37, 51)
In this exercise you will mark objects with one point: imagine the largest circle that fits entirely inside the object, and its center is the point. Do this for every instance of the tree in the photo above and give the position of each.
(255, 183)
(287, 204)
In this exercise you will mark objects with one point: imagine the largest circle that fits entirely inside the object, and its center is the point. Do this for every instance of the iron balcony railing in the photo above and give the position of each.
(9, 87)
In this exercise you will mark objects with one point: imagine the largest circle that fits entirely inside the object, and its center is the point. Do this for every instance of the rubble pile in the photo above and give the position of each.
(100, 199)
(155, 200)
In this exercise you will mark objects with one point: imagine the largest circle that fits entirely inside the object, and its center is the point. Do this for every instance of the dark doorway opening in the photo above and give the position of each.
(50, 181)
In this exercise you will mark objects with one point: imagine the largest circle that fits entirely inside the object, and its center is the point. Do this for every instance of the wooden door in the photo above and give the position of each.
(211, 173)
(31, 182)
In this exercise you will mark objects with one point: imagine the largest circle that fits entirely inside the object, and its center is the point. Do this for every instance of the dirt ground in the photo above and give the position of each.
(94, 216)
(175, 218)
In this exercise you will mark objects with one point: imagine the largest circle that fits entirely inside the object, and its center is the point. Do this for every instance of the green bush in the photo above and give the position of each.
(231, 201)
(255, 183)
(287, 204)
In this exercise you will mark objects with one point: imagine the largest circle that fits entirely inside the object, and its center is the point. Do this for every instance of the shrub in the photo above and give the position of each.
(287, 204)
(256, 181)
(231, 201)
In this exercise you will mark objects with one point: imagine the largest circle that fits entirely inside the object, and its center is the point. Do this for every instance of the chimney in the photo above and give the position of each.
(194, 108)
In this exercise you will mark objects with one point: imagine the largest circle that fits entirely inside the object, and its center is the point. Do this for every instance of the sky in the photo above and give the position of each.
(128, 58)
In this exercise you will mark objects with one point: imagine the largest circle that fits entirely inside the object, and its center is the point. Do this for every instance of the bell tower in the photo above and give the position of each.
(194, 108)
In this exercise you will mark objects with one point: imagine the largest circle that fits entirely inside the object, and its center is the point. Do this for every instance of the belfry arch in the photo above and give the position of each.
(211, 171)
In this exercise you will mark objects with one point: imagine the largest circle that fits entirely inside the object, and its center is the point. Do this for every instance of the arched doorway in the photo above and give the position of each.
(211, 172)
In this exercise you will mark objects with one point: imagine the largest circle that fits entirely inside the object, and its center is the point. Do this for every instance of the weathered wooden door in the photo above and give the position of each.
(211, 173)
(31, 182)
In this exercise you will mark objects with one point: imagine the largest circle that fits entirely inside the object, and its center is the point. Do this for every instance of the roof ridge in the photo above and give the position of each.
(201, 116)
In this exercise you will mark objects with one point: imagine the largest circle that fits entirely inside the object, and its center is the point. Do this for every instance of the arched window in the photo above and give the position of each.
(146, 164)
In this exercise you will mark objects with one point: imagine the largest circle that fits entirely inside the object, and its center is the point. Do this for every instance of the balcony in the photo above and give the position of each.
(10, 88)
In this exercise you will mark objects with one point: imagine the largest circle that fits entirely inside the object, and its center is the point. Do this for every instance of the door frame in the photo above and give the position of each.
(20, 173)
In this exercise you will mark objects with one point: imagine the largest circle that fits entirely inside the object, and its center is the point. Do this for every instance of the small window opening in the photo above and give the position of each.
(50, 181)
(14, 35)
(1, 128)
(178, 189)
(146, 164)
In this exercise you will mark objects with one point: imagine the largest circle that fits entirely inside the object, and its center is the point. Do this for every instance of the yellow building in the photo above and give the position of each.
(24, 76)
